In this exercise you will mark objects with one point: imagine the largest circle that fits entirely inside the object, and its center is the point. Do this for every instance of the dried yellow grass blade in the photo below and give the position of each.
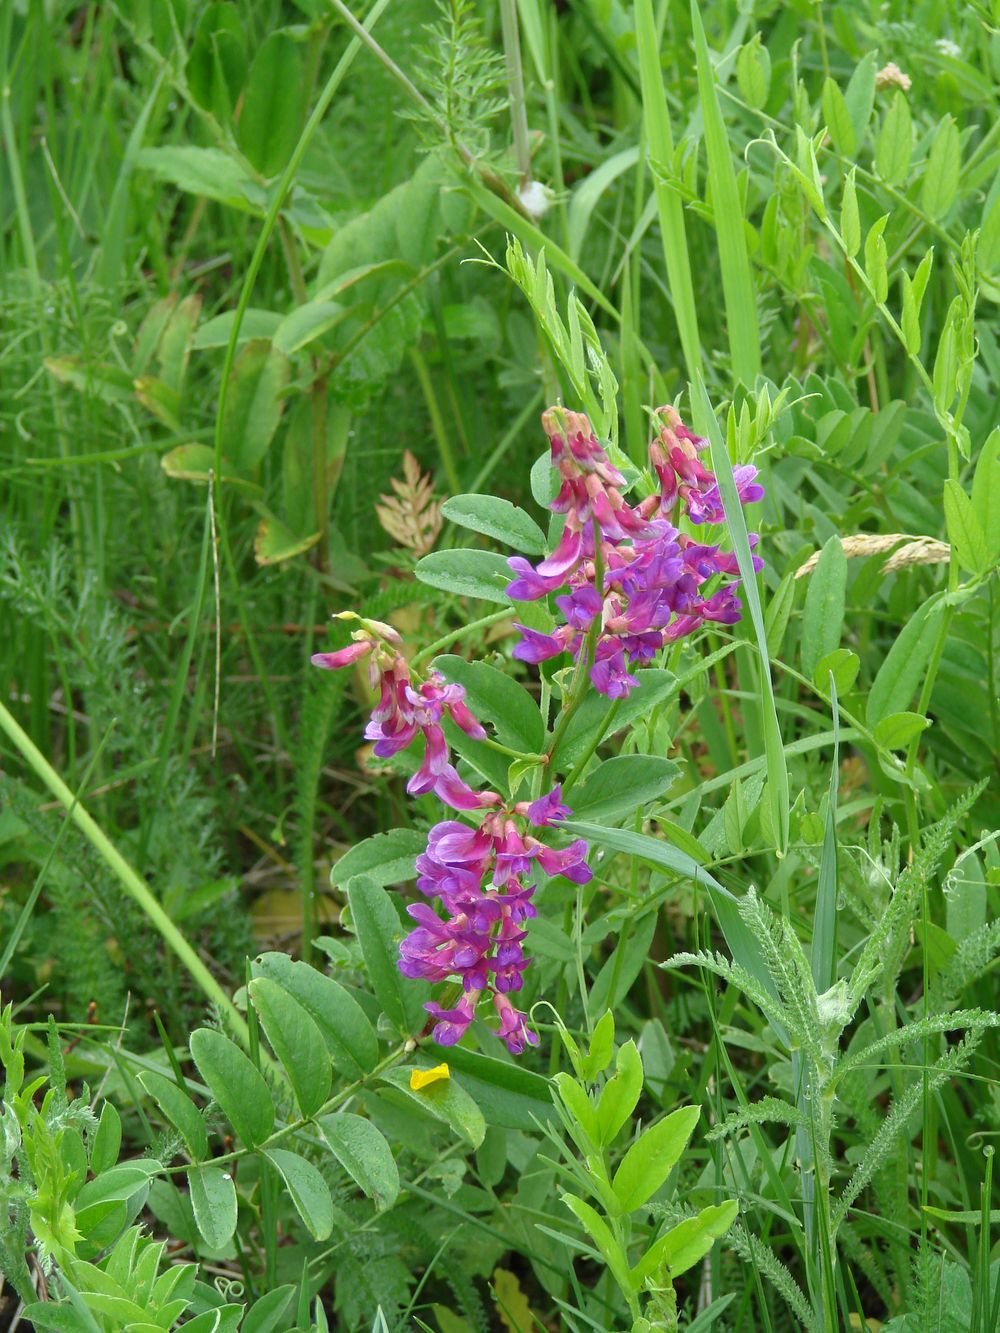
(913, 551)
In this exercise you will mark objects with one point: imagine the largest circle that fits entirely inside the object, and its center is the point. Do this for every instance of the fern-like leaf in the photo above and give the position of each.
(752, 1250)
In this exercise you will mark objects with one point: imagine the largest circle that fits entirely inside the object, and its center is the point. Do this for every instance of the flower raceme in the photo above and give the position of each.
(629, 582)
(635, 582)
(479, 876)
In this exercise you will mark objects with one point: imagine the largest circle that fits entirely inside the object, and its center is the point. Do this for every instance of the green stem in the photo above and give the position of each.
(134, 886)
(437, 420)
(515, 88)
(439, 645)
(337, 1100)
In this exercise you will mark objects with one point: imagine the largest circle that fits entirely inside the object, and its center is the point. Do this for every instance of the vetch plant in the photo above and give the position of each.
(637, 583)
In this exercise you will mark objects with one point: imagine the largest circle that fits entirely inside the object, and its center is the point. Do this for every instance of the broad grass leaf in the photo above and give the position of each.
(349, 1037)
(588, 192)
(686, 1243)
(217, 65)
(652, 1157)
(774, 750)
(362, 1150)
(254, 404)
(307, 323)
(469, 573)
(899, 676)
(895, 142)
(235, 1084)
(622, 785)
(181, 1112)
(213, 1198)
(379, 931)
(823, 614)
(665, 856)
(445, 1100)
(295, 1040)
(273, 104)
(728, 218)
(660, 148)
(308, 1190)
(496, 518)
(495, 698)
(386, 858)
(941, 175)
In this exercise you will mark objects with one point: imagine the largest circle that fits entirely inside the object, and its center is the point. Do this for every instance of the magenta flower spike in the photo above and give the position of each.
(652, 591)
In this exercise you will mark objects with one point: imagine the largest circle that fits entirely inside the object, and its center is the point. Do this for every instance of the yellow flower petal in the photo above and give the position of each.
(423, 1078)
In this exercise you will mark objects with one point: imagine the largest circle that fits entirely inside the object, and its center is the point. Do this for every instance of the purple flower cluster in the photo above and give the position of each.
(405, 711)
(635, 582)
(480, 876)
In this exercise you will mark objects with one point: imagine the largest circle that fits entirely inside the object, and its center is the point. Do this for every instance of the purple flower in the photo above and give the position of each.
(609, 674)
(537, 647)
(548, 809)
(342, 657)
(452, 1024)
(514, 1030)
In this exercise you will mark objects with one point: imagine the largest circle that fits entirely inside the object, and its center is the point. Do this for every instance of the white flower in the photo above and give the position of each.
(948, 48)
(536, 198)
(892, 76)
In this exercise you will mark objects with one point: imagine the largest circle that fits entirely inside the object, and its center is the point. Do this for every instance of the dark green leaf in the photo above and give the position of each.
(686, 1243)
(181, 1112)
(235, 1084)
(363, 1152)
(379, 931)
(386, 858)
(823, 616)
(496, 518)
(495, 698)
(348, 1035)
(900, 674)
(308, 1190)
(895, 142)
(621, 785)
(253, 405)
(273, 105)
(295, 1040)
(213, 1198)
(445, 1101)
(469, 573)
